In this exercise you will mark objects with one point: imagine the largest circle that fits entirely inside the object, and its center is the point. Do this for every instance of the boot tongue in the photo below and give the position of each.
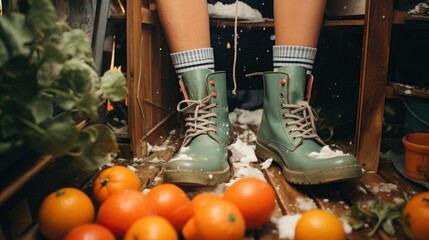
(195, 83)
(297, 82)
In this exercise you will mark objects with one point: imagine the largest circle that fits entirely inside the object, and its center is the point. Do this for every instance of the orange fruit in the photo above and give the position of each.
(197, 202)
(189, 231)
(203, 199)
(416, 215)
(255, 198)
(219, 219)
(151, 228)
(122, 209)
(319, 224)
(91, 231)
(114, 179)
(63, 210)
(172, 203)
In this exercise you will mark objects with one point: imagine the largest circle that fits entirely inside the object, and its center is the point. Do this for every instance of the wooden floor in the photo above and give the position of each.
(386, 185)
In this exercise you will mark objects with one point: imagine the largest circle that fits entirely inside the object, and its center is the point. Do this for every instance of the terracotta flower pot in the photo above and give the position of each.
(417, 155)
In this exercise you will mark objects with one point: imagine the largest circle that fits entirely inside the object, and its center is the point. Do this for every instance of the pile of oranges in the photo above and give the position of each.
(118, 209)
(123, 211)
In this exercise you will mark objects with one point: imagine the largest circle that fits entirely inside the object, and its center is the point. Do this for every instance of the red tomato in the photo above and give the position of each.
(122, 209)
(90, 231)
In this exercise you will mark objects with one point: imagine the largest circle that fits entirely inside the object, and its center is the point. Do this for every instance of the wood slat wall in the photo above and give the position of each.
(152, 84)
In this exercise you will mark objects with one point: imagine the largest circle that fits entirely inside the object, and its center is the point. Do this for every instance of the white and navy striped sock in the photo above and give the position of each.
(202, 58)
(284, 55)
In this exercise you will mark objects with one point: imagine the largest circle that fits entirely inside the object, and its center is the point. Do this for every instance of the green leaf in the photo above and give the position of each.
(96, 143)
(58, 139)
(42, 17)
(114, 85)
(4, 56)
(42, 108)
(89, 104)
(53, 54)
(76, 45)
(78, 77)
(15, 34)
(387, 227)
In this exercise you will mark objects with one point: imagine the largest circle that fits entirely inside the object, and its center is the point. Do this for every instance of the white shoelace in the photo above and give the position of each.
(198, 117)
(304, 118)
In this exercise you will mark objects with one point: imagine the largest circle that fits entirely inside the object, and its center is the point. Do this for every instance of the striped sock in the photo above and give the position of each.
(294, 55)
(202, 58)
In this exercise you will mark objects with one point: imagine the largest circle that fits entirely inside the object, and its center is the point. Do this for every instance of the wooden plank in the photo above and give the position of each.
(150, 77)
(375, 58)
(149, 17)
(389, 172)
(133, 25)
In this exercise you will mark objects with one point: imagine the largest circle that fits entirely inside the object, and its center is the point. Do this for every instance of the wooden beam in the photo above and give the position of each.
(375, 60)
(133, 49)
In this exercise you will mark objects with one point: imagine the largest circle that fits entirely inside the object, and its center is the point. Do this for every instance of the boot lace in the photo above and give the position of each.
(304, 118)
(198, 118)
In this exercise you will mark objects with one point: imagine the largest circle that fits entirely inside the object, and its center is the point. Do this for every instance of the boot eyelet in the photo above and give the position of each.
(214, 94)
(284, 117)
(286, 124)
(290, 132)
(281, 106)
(282, 95)
(212, 82)
(282, 82)
(294, 138)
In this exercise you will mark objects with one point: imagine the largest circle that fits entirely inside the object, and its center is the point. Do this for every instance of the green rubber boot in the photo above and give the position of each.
(203, 157)
(287, 133)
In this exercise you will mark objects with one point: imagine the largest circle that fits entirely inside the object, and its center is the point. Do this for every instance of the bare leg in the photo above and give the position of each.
(297, 23)
(185, 23)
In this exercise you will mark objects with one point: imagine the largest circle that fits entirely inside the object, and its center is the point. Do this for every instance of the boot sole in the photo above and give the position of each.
(310, 177)
(197, 177)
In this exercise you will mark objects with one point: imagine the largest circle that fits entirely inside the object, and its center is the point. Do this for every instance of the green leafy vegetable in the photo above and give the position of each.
(47, 78)
(380, 215)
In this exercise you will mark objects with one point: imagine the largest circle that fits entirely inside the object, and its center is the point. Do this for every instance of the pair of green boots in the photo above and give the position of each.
(286, 134)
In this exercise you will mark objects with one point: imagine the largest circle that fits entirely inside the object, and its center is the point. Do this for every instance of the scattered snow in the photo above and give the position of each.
(327, 152)
(249, 172)
(247, 136)
(286, 225)
(242, 152)
(384, 187)
(156, 160)
(305, 204)
(398, 200)
(266, 164)
(109, 164)
(420, 9)
(242, 116)
(220, 10)
(346, 225)
(132, 168)
(157, 180)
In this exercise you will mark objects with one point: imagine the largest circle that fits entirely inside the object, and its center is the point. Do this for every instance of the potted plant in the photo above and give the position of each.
(48, 85)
